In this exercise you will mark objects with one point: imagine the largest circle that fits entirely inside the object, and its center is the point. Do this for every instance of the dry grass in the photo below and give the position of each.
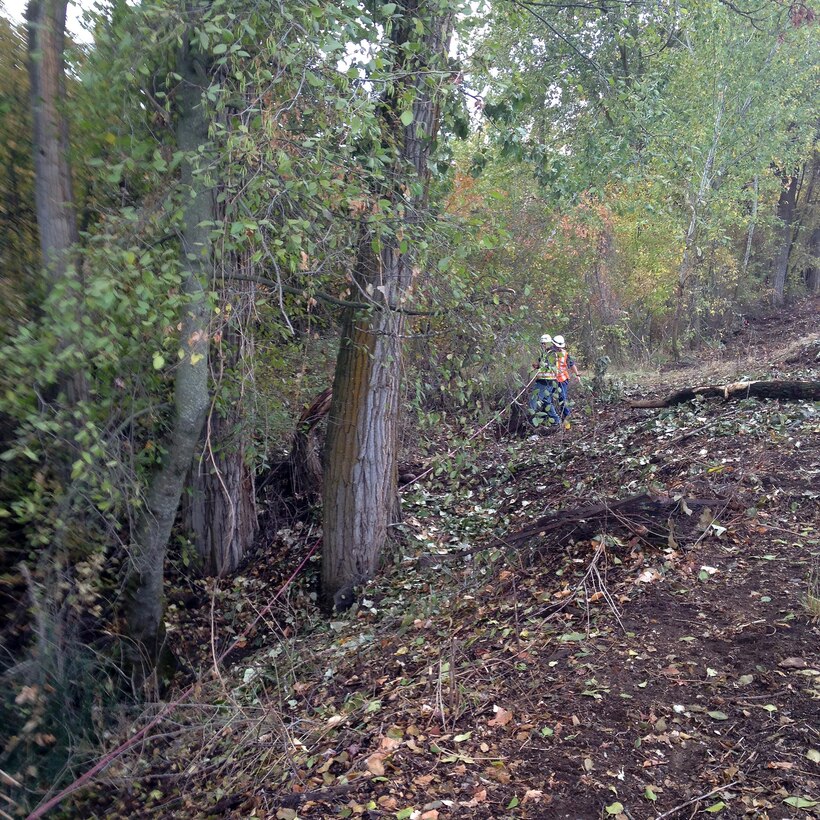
(812, 601)
(720, 370)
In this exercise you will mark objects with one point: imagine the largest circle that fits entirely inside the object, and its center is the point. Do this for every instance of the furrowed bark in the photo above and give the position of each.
(360, 480)
(305, 461)
(221, 512)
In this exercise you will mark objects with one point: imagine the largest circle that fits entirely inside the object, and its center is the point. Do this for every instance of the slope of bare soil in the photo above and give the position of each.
(535, 649)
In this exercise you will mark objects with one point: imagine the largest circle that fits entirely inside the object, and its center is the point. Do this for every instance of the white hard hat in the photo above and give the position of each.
(558, 341)
(546, 339)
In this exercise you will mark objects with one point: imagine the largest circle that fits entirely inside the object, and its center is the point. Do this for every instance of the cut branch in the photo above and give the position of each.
(786, 390)
(295, 484)
(644, 516)
(305, 460)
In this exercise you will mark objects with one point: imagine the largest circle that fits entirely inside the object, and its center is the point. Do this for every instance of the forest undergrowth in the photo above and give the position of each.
(621, 620)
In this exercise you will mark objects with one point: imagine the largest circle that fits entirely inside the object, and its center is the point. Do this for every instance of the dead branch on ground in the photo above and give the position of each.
(644, 516)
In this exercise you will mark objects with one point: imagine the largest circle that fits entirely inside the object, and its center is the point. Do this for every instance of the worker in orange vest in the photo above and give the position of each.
(545, 388)
(563, 364)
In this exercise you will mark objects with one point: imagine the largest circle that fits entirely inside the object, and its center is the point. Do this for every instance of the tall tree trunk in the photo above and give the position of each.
(785, 213)
(360, 478)
(54, 199)
(749, 237)
(221, 509)
(602, 306)
(687, 265)
(360, 482)
(804, 235)
(53, 194)
(813, 271)
(145, 605)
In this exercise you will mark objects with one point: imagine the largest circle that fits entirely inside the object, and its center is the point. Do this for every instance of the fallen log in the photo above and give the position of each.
(785, 390)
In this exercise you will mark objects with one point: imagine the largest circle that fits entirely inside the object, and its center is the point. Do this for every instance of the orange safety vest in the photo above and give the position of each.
(562, 365)
(547, 370)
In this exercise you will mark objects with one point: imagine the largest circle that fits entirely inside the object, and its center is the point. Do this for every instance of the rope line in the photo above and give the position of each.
(450, 453)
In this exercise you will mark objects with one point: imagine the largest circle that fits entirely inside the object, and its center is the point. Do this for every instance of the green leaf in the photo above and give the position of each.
(513, 803)
(159, 361)
(813, 755)
(649, 794)
(718, 715)
(404, 814)
(406, 117)
(573, 636)
(801, 802)
(716, 807)
(388, 9)
(615, 808)
(462, 738)
(220, 48)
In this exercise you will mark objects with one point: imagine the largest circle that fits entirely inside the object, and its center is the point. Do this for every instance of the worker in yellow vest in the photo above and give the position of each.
(546, 388)
(564, 363)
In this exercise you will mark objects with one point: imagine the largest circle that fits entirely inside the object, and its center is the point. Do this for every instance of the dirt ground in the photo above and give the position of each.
(516, 660)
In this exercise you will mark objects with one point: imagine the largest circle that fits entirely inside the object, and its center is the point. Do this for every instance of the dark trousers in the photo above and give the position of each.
(562, 398)
(542, 402)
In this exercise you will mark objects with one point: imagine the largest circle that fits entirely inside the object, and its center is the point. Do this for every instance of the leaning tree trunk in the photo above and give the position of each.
(360, 480)
(304, 463)
(785, 213)
(144, 606)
